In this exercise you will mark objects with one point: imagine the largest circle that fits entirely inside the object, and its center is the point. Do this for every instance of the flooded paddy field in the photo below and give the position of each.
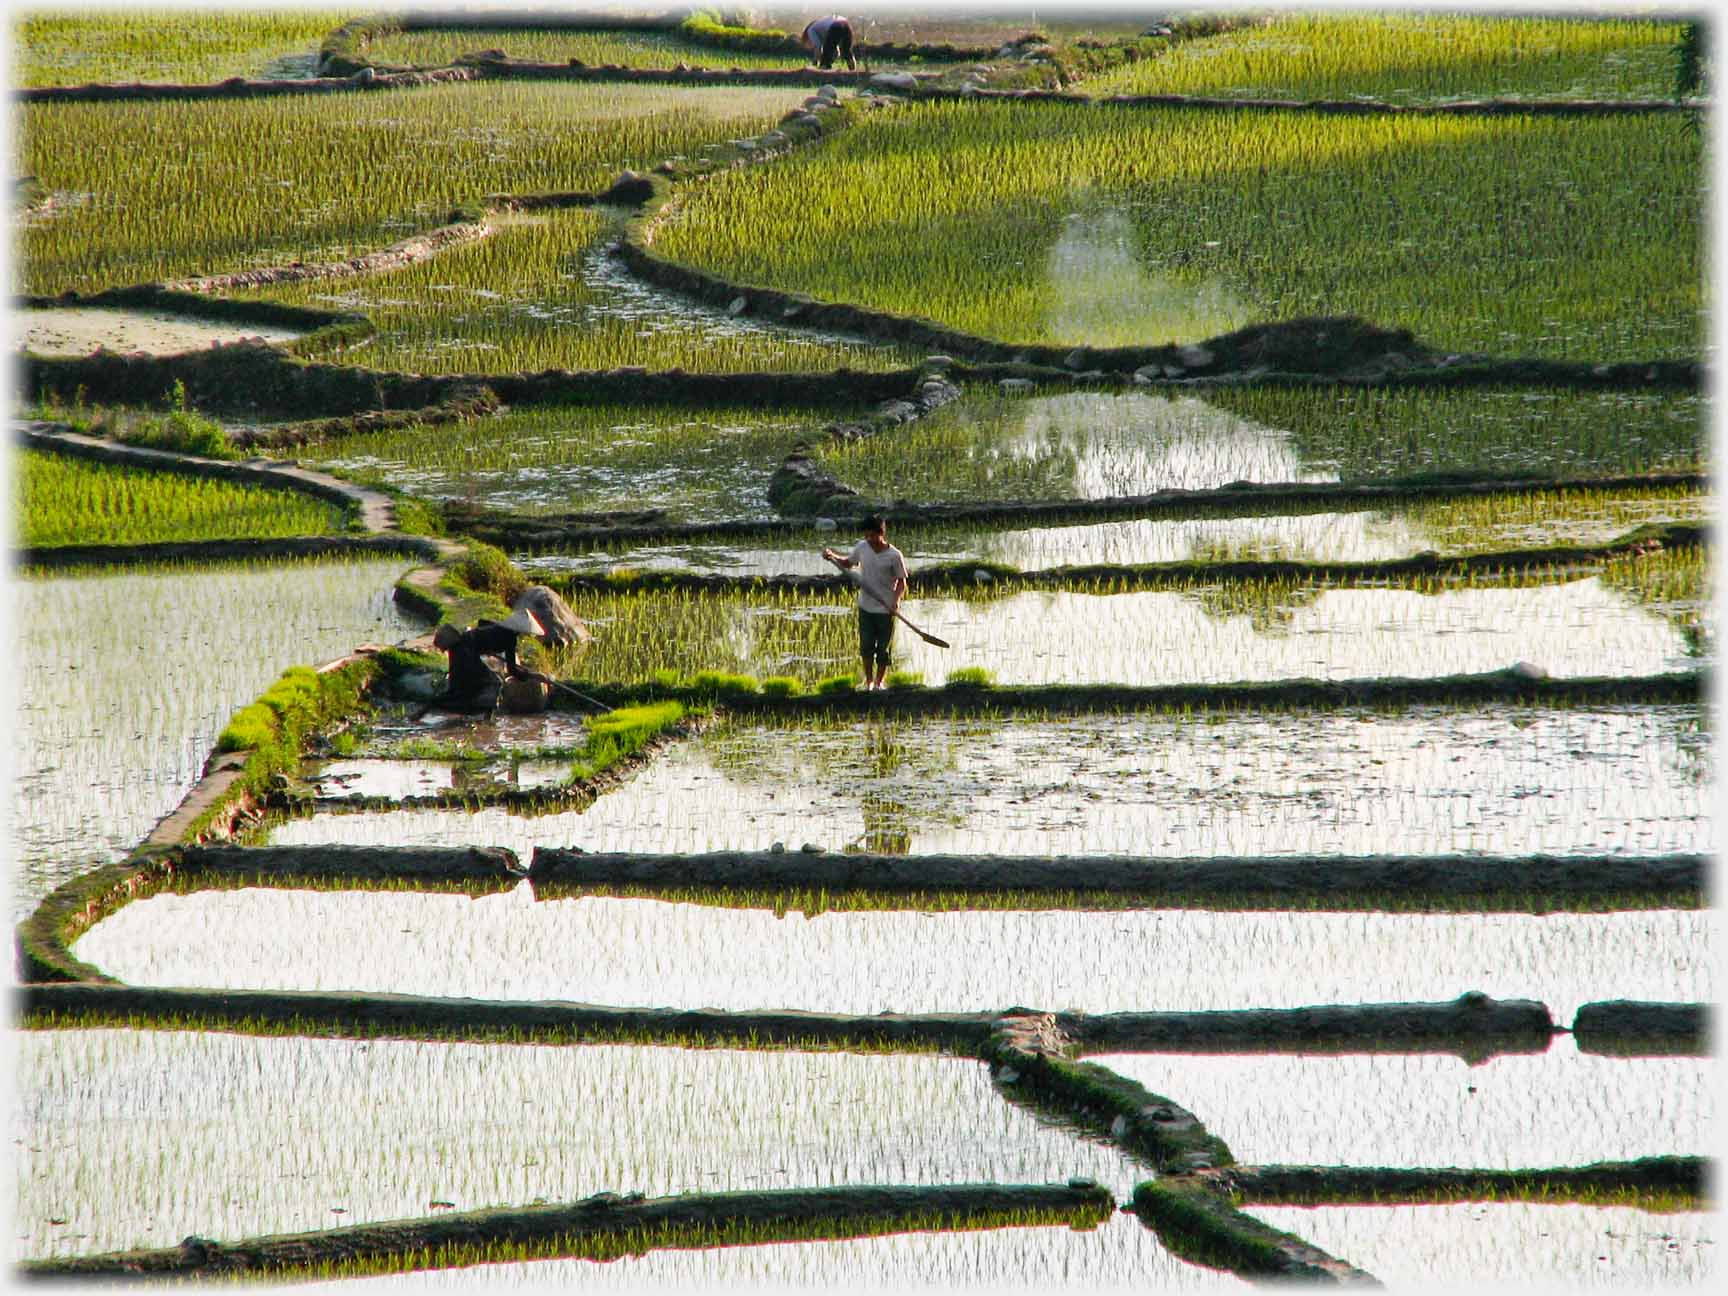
(653, 953)
(113, 730)
(1482, 1244)
(1120, 1253)
(135, 1138)
(543, 291)
(1202, 633)
(699, 464)
(1428, 781)
(1367, 535)
(1511, 1112)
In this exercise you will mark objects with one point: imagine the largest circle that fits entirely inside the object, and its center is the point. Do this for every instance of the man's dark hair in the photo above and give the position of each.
(875, 522)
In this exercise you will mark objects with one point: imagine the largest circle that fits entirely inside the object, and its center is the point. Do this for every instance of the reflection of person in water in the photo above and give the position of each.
(887, 821)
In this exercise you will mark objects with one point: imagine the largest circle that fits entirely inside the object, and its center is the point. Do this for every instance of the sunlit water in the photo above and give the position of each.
(648, 953)
(129, 676)
(138, 1138)
(1514, 781)
(1517, 1112)
(1212, 635)
(1506, 1246)
(1120, 1253)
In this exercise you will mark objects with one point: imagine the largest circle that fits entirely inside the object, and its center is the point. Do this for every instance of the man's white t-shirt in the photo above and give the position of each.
(876, 575)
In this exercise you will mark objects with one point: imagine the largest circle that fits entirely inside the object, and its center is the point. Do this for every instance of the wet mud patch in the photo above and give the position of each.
(390, 1128)
(616, 952)
(77, 331)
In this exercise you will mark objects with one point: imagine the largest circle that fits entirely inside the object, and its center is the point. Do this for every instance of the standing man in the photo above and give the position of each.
(827, 37)
(881, 585)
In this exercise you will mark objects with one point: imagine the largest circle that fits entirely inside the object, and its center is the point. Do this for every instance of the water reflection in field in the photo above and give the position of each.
(1493, 1245)
(136, 1138)
(129, 676)
(1425, 781)
(648, 953)
(1521, 1112)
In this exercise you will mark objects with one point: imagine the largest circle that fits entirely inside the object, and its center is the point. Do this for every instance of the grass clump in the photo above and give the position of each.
(622, 733)
(971, 677)
(832, 685)
(900, 679)
(782, 686)
(487, 569)
(61, 501)
(713, 683)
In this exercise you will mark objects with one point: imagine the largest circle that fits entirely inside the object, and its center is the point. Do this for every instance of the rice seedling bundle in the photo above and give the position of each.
(1367, 432)
(168, 189)
(179, 45)
(699, 462)
(433, 48)
(1413, 58)
(1072, 224)
(541, 293)
(70, 501)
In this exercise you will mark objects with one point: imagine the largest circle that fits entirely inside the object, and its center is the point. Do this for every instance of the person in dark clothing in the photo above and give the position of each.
(827, 37)
(473, 685)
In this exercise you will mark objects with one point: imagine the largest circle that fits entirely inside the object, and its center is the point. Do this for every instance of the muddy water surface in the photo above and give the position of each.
(648, 953)
(1558, 1108)
(1426, 781)
(129, 676)
(1493, 1245)
(139, 1138)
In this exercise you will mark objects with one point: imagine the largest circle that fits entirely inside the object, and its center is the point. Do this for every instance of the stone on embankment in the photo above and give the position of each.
(562, 626)
(1015, 386)
(904, 82)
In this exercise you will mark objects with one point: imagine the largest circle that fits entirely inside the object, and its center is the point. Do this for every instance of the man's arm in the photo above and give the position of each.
(839, 560)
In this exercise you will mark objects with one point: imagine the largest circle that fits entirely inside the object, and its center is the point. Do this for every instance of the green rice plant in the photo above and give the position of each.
(486, 569)
(694, 462)
(541, 293)
(178, 45)
(1511, 431)
(60, 501)
(722, 684)
(1067, 224)
(1413, 58)
(971, 677)
(833, 685)
(431, 47)
(326, 177)
(782, 686)
(182, 429)
(1538, 519)
(620, 733)
(900, 679)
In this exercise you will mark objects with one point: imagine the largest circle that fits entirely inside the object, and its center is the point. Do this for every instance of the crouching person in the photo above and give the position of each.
(473, 684)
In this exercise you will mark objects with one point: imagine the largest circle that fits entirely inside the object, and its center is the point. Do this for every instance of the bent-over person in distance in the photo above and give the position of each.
(827, 37)
(881, 572)
(473, 685)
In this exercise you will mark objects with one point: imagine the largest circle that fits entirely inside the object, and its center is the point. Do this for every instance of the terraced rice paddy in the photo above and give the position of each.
(1528, 781)
(700, 463)
(329, 177)
(480, 1131)
(1460, 229)
(1490, 525)
(653, 954)
(112, 730)
(163, 45)
(1491, 237)
(1412, 58)
(72, 501)
(543, 292)
(1211, 632)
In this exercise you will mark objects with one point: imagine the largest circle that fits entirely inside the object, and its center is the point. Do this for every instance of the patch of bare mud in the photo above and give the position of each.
(76, 331)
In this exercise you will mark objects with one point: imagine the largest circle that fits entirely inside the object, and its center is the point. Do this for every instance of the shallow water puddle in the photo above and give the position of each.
(1425, 781)
(1518, 1112)
(137, 1138)
(69, 331)
(648, 953)
(1221, 634)
(120, 704)
(400, 780)
(1119, 1254)
(1473, 1245)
